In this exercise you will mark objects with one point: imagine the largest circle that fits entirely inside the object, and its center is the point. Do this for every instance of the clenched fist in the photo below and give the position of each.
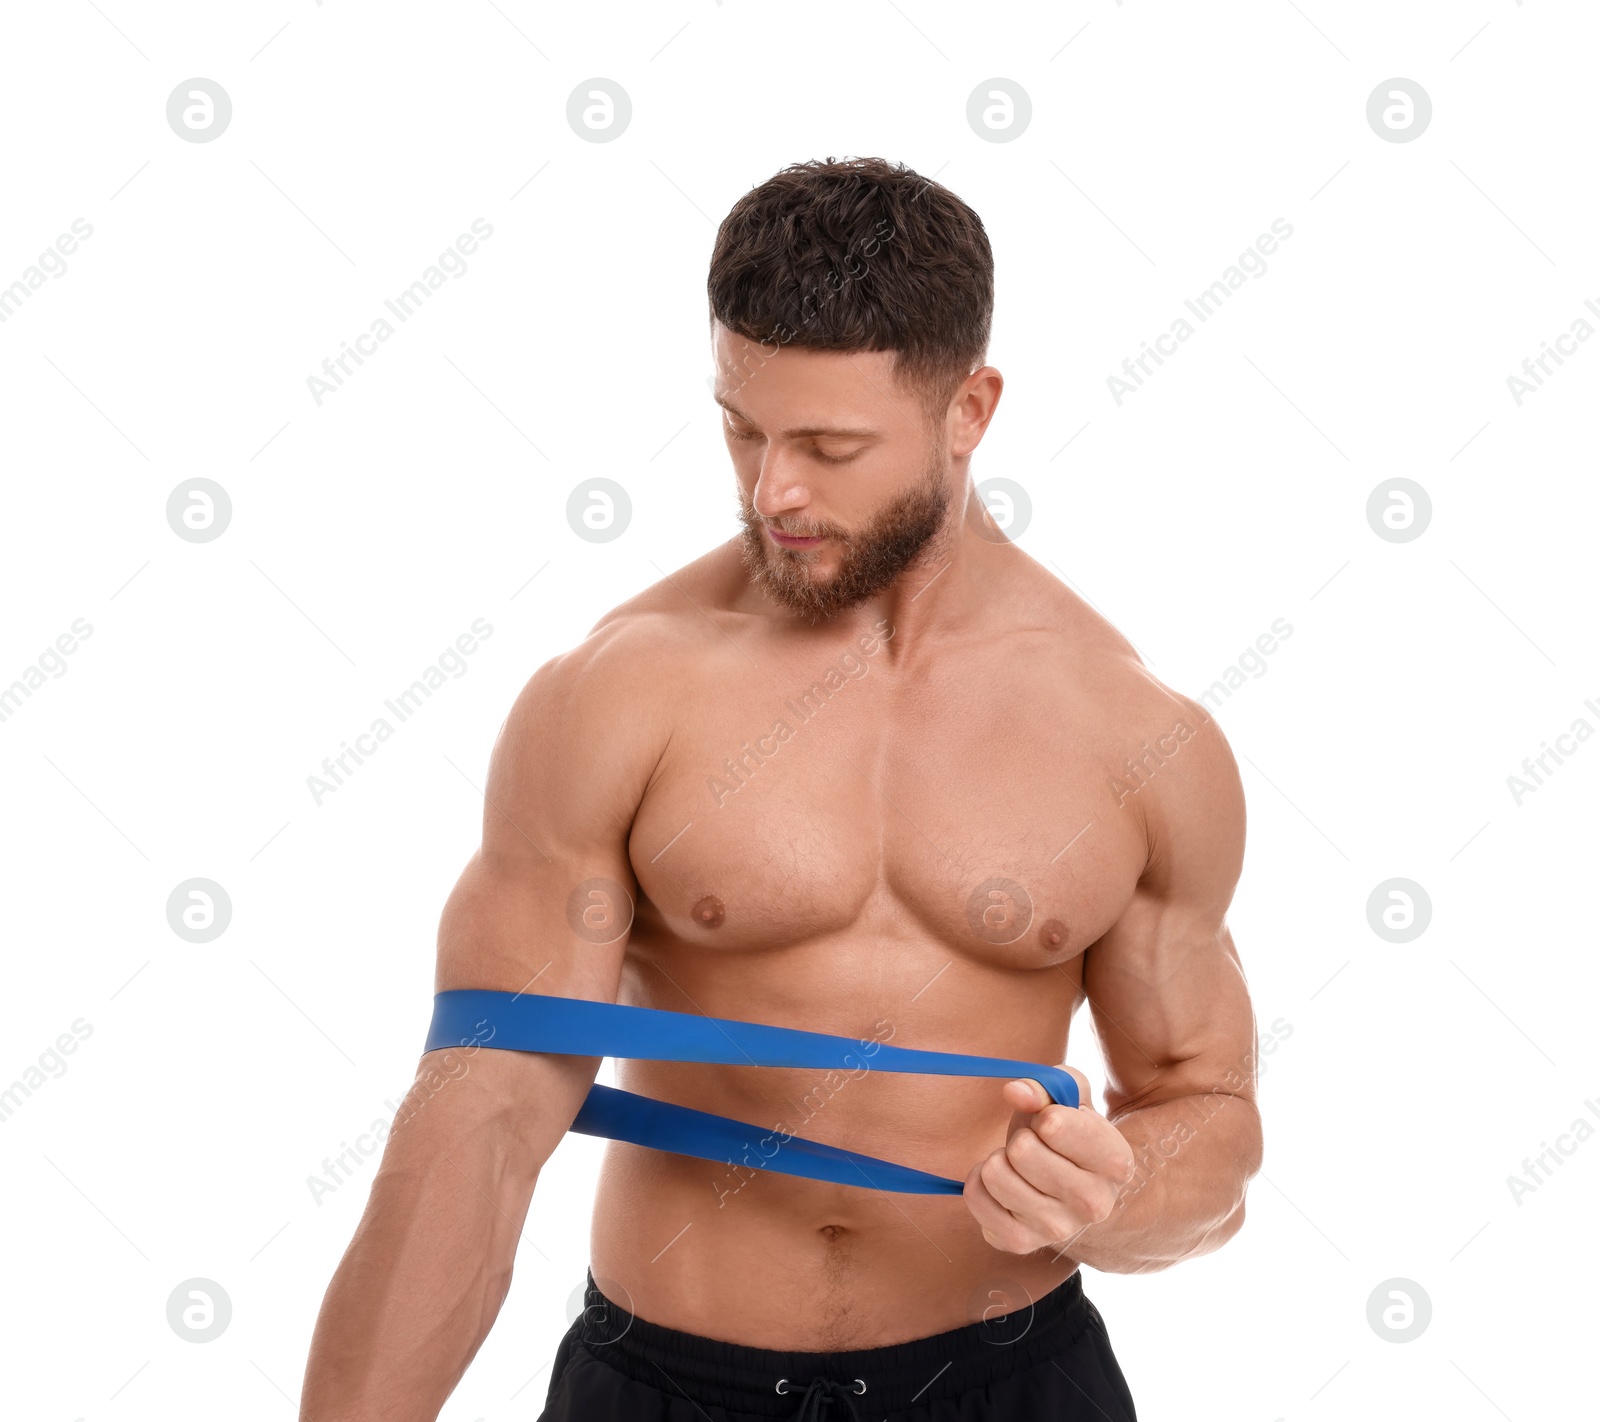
(1060, 1171)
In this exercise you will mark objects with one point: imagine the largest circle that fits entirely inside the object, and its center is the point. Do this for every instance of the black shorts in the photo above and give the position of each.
(1052, 1361)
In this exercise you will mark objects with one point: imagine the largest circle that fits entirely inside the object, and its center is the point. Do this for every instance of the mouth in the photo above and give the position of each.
(784, 540)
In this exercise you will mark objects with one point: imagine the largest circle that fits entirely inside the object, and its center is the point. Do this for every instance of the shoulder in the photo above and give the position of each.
(623, 686)
(683, 606)
(1165, 754)
(1190, 795)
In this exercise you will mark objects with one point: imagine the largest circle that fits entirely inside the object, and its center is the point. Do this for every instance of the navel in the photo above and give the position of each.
(709, 912)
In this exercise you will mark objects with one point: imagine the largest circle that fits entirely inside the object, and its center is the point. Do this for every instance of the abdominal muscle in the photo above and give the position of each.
(772, 1261)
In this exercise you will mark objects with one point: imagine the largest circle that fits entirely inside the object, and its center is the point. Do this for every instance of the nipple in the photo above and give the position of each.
(709, 912)
(1052, 934)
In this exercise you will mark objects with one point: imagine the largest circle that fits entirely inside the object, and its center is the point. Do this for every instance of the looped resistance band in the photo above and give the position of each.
(530, 1022)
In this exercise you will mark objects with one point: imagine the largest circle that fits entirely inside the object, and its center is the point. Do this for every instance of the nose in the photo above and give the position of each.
(780, 487)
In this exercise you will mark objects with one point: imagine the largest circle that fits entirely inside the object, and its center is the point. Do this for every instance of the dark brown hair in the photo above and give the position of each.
(859, 254)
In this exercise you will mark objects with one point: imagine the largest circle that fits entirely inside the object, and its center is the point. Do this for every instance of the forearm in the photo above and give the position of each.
(409, 1305)
(1193, 1156)
(430, 1263)
(415, 1294)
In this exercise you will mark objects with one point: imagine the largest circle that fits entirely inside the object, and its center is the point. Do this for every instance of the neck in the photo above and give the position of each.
(945, 585)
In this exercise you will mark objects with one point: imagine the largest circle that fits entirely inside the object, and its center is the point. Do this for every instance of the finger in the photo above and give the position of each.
(1025, 1094)
(1087, 1139)
(1086, 1194)
(1000, 1227)
(1043, 1218)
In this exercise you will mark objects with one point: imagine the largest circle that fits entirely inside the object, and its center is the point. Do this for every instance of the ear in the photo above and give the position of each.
(972, 407)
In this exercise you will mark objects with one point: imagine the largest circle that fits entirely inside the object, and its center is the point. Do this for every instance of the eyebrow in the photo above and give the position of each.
(802, 431)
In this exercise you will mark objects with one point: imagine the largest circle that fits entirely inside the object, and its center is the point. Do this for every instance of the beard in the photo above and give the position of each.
(872, 557)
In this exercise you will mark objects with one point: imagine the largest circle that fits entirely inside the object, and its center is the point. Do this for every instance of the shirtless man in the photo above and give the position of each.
(867, 769)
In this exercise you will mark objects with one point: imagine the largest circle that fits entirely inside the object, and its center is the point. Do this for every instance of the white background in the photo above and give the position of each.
(368, 532)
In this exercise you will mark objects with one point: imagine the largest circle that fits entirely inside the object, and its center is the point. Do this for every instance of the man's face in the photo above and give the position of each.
(841, 483)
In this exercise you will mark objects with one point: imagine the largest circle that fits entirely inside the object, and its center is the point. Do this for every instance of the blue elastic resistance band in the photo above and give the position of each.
(530, 1022)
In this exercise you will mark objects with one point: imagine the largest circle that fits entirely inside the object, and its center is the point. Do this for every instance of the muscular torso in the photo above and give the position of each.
(920, 853)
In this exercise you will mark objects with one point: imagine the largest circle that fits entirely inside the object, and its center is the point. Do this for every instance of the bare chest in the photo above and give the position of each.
(965, 808)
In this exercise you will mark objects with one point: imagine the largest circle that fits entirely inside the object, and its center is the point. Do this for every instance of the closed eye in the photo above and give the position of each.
(816, 453)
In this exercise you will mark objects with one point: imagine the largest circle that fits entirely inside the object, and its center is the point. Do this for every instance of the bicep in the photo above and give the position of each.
(545, 904)
(1165, 986)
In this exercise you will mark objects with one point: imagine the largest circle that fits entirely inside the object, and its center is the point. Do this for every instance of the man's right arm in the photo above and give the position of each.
(430, 1262)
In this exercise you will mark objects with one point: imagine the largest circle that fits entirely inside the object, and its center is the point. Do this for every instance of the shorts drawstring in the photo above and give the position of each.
(816, 1404)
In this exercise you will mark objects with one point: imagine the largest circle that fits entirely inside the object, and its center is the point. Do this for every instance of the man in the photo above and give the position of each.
(868, 770)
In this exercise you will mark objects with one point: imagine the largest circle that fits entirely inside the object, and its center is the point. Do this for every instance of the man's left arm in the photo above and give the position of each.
(1161, 1177)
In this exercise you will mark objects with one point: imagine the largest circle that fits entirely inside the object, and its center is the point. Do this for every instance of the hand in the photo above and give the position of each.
(1060, 1171)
